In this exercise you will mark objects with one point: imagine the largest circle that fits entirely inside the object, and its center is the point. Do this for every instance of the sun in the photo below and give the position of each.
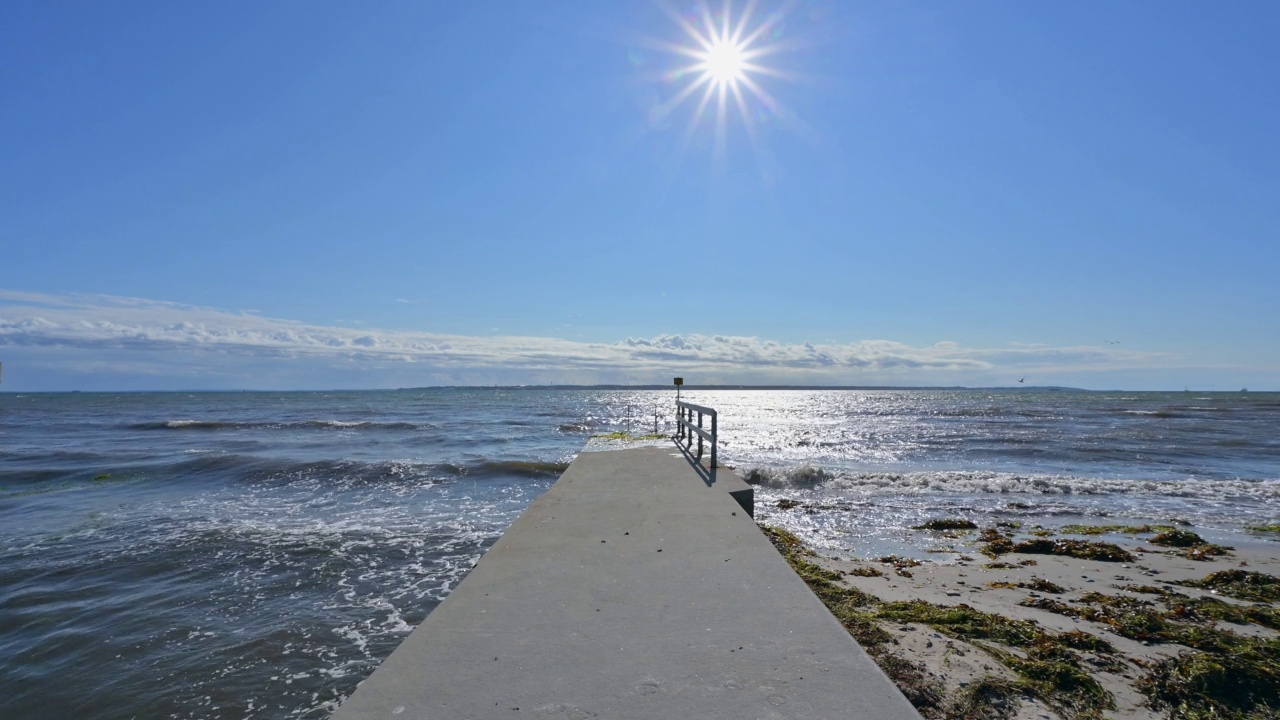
(724, 62)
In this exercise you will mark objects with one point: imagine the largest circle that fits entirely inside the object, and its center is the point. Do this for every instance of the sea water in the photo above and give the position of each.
(231, 555)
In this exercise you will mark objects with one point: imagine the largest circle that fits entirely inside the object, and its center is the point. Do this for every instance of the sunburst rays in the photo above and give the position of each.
(719, 69)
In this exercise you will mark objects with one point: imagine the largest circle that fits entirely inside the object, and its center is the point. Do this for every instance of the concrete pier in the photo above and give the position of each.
(636, 587)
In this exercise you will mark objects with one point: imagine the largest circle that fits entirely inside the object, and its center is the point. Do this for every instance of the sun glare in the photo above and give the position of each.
(723, 61)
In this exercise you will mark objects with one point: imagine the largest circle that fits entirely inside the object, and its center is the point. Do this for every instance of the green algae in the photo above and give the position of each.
(963, 622)
(1177, 538)
(987, 698)
(1053, 675)
(626, 436)
(1272, 528)
(1241, 685)
(822, 581)
(921, 689)
(1223, 676)
(1048, 666)
(1184, 620)
(1144, 589)
(1113, 529)
(1082, 549)
(1203, 553)
(1038, 584)
(1190, 545)
(1241, 585)
(947, 524)
(1197, 609)
(996, 543)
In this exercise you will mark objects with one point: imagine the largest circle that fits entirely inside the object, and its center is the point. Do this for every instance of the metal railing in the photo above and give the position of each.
(686, 429)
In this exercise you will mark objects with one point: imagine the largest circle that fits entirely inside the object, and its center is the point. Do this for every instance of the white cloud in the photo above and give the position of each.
(99, 334)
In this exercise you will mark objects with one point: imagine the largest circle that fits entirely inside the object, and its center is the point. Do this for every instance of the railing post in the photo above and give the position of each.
(699, 435)
(716, 442)
(686, 430)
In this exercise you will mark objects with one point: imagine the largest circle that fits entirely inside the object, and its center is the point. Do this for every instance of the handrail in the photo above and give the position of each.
(685, 429)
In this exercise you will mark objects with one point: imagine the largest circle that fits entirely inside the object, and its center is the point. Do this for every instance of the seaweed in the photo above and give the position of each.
(1244, 684)
(1039, 584)
(1144, 589)
(1183, 620)
(843, 601)
(964, 622)
(1043, 586)
(1085, 550)
(1199, 609)
(947, 524)
(987, 698)
(1080, 640)
(1190, 545)
(899, 562)
(1053, 675)
(1240, 584)
(1177, 538)
(862, 571)
(1113, 529)
(920, 689)
(786, 542)
(997, 543)
(1128, 617)
(1272, 528)
(627, 436)
(1203, 553)
(1048, 669)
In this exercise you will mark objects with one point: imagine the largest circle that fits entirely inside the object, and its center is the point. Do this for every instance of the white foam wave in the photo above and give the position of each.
(960, 482)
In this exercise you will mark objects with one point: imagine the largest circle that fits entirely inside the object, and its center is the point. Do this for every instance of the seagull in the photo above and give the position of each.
(1021, 379)
(1112, 342)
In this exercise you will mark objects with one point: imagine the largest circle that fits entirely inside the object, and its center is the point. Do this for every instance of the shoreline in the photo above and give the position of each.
(1031, 635)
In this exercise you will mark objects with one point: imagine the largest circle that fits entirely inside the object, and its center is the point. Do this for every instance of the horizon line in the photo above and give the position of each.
(646, 386)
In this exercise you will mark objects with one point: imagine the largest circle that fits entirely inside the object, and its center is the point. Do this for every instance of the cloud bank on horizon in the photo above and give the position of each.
(66, 341)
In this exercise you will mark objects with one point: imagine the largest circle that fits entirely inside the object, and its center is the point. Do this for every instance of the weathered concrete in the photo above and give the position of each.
(630, 589)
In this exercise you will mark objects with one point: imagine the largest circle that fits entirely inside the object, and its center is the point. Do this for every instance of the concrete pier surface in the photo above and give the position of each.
(633, 588)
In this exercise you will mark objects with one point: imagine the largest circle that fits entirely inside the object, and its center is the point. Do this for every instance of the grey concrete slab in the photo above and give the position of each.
(630, 589)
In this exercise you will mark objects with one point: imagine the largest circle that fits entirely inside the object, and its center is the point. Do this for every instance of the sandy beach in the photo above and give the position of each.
(1034, 635)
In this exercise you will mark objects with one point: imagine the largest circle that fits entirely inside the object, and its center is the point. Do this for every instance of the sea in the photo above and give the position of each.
(257, 554)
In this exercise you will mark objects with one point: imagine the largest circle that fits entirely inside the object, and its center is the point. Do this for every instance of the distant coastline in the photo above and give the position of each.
(685, 388)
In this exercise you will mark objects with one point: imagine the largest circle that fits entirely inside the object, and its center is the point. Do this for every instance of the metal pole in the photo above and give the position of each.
(715, 440)
(699, 435)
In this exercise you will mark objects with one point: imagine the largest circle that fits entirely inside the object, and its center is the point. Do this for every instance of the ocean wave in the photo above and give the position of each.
(357, 472)
(216, 467)
(276, 425)
(960, 482)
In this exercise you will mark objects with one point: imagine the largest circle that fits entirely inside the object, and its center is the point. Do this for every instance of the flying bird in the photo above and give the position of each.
(1021, 379)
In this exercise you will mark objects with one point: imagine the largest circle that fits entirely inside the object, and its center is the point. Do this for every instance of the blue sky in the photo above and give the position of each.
(296, 195)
